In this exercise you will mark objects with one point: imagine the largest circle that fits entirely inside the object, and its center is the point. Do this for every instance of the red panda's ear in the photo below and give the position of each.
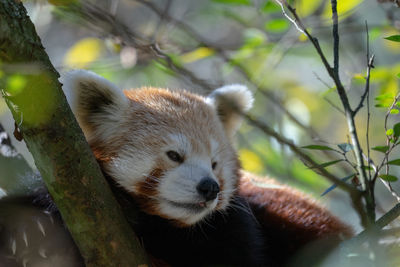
(96, 102)
(230, 101)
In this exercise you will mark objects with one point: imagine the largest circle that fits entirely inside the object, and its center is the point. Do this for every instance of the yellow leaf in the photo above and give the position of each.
(303, 37)
(250, 161)
(344, 8)
(306, 7)
(82, 53)
(390, 88)
(199, 53)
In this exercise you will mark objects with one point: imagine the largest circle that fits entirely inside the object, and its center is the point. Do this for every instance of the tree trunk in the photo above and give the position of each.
(33, 93)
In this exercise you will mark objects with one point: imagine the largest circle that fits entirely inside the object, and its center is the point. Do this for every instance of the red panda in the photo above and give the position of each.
(169, 158)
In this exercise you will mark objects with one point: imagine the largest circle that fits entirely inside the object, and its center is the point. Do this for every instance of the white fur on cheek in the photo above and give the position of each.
(130, 167)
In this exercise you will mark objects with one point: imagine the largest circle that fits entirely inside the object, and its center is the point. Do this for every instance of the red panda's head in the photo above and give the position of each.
(170, 149)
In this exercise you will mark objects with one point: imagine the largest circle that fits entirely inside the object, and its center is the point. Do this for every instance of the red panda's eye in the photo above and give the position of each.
(174, 156)
(214, 165)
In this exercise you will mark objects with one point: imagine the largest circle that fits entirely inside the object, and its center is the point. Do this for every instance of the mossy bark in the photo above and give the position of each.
(30, 86)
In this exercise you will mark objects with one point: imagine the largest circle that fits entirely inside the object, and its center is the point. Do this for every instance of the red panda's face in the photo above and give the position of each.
(170, 150)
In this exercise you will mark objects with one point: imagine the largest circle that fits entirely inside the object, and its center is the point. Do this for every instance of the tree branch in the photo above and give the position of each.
(367, 79)
(59, 148)
(334, 73)
(335, 32)
(309, 162)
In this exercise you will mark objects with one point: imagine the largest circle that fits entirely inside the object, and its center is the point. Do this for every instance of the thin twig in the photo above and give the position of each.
(355, 195)
(303, 156)
(386, 156)
(370, 65)
(333, 105)
(295, 22)
(335, 32)
(367, 83)
(391, 190)
(391, 147)
(334, 73)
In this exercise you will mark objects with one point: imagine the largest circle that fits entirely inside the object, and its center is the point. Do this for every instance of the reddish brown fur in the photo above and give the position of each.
(165, 110)
(128, 139)
(286, 209)
(156, 112)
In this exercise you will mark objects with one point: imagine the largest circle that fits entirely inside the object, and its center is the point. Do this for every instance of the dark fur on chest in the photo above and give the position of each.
(231, 237)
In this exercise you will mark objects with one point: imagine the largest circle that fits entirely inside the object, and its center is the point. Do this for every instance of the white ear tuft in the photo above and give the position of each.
(95, 101)
(230, 102)
(237, 94)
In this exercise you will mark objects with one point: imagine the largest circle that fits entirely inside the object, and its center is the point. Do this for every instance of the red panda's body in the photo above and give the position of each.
(169, 159)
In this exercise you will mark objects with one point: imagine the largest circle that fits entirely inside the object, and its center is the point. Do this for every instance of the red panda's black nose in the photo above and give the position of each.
(208, 188)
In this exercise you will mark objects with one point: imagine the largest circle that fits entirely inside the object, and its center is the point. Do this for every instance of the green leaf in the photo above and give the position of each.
(345, 147)
(254, 37)
(233, 2)
(384, 96)
(396, 129)
(382, 105)
(317, 147)
(277, 25)
(394, 38)
(388, 177)
(398, 76)
(271, 7)
(394, 111)
(344, 179)
(368, 168)
(326, 164)
(389, 132)
(382, 149)
(394, 162)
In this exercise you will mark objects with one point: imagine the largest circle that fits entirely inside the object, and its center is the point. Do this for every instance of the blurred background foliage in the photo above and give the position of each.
(201, 45)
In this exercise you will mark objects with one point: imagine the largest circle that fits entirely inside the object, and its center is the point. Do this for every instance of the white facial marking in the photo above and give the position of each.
(179, 143)
(131, 166)
(178, 195)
